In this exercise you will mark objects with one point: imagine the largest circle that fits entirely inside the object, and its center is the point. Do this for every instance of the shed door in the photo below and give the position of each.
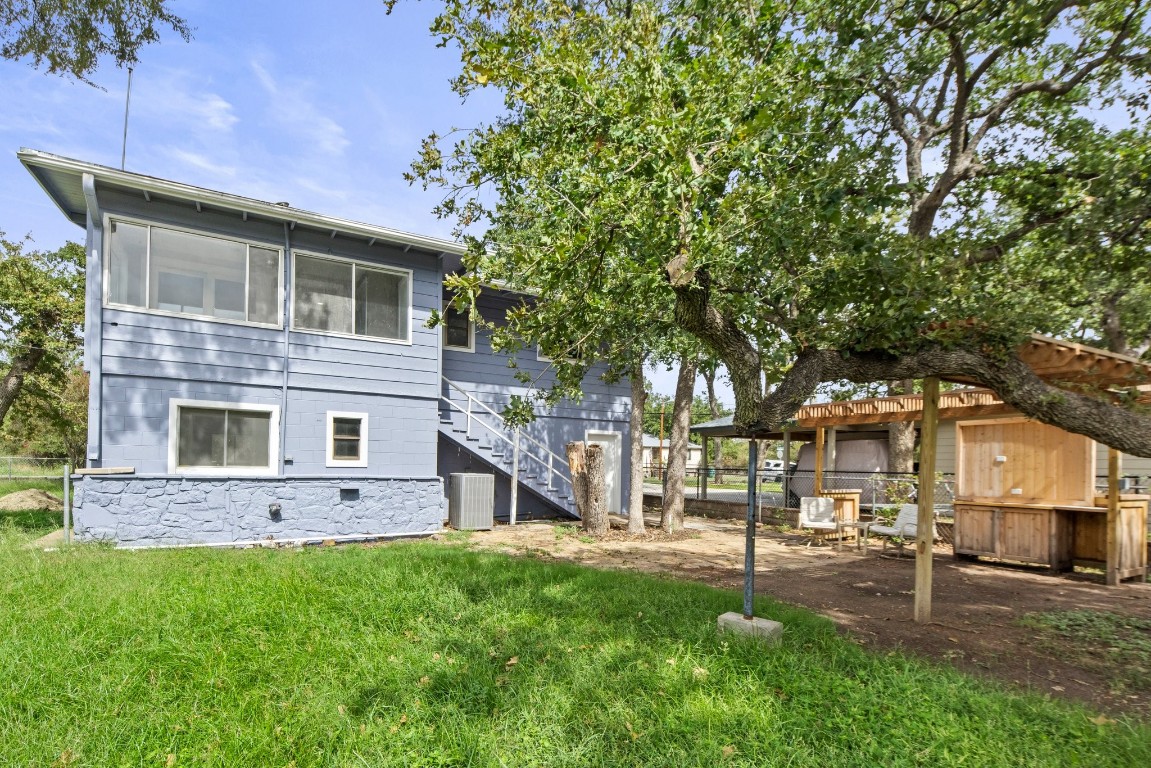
(612, 443)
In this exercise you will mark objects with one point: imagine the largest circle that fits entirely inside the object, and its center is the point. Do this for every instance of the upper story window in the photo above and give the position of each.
(459, 330)
(185, 273)
(341, 296)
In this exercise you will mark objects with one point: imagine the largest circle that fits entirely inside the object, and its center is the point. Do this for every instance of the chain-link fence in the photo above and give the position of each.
(28, 468)
(876, 489)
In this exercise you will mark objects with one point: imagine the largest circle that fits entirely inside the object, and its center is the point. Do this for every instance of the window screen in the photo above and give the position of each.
(457, 329)
(323, 295)
(192, 274)
(346, 438)
(213, 437)
(343, 297)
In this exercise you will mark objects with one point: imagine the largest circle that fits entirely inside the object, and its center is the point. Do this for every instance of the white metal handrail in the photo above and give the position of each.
(553, 458)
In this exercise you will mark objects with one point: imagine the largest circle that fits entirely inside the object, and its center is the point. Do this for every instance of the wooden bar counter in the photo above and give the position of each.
(1053, 534)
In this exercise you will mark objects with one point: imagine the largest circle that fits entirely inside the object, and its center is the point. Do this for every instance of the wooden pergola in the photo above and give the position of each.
(1060, 363)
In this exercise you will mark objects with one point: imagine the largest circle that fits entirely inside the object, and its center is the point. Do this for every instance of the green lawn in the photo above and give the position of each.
(427, 654)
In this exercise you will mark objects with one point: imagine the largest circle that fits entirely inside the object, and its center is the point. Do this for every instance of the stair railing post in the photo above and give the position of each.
(469, 432)
(550, 470)
(515, 477)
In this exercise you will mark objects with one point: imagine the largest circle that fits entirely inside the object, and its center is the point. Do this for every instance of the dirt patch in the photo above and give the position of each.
(31, 500)
(977, 606)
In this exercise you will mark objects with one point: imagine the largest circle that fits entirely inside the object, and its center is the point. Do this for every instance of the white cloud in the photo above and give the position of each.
(297, 114)
(174, 97)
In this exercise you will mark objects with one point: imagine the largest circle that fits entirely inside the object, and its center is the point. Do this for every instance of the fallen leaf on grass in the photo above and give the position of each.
(1101, 720)
(171, 760)
(511, 662)
(728, 751)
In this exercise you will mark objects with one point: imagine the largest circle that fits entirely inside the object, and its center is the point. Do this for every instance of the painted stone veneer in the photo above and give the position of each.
(154, 511)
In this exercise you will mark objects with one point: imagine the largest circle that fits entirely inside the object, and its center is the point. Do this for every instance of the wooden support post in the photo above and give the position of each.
(925, 523)
(829, 459)
(1113, 468)
(818, 489)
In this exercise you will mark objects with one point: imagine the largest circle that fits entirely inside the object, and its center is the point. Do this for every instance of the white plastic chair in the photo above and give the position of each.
(817, 514)
(905, 527)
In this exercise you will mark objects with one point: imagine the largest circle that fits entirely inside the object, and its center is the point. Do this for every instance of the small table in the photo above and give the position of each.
(858, 525)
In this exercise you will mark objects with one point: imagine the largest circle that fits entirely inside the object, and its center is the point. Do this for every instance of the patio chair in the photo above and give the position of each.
(905, 527)
(817, 515)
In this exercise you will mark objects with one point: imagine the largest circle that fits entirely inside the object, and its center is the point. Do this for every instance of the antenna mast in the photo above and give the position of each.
(127, 103)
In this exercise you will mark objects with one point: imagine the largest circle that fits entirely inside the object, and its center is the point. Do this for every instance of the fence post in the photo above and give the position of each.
(67, 504)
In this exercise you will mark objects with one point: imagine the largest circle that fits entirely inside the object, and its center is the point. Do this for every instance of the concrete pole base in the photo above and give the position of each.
(765, 630)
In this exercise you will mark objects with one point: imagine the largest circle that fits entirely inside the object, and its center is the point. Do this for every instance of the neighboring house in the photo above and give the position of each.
(261, 372)
(655, 453)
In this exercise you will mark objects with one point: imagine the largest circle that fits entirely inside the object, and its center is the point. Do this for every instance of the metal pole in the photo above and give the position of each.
(701, 486)
(786, 485)
(659, 464)
(515, 477)
(67, 504)
(749, 536)
(127, 103)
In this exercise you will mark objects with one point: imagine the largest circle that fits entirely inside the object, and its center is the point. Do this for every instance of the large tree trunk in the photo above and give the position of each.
(13, 381)
(577, 466)
(596, 520)
(901, 434)
(635, 449)
(585, 461)
(673, 494)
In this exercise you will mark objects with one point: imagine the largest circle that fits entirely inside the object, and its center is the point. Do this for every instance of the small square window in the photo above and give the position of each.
(459, 330)
(347, 437)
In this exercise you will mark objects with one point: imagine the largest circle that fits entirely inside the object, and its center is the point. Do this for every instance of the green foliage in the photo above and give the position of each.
(50, 419)
(67, 37)
(867, 178)
(423, 654)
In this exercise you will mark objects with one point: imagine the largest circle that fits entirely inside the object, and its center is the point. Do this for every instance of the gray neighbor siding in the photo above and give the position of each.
(147, 359)
(484, 373)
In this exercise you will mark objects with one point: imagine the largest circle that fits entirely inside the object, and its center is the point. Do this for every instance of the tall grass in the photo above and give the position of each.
(429, 655)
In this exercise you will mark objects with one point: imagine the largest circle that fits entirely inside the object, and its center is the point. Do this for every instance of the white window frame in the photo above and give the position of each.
(360, 262)
(329, 452)
(106, 268)
(174, 406)
(471, 347)
(541, 357)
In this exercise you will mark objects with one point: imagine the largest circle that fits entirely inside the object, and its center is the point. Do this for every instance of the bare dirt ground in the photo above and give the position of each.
(976, 606)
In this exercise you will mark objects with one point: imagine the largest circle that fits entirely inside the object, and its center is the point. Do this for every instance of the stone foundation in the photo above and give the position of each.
(138, 511)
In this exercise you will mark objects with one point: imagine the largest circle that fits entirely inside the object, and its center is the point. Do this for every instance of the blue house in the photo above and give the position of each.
(259, 372)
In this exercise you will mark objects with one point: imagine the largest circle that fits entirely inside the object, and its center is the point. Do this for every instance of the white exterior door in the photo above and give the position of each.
(612, 443)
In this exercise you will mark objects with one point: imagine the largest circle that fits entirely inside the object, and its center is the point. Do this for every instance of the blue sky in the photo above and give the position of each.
(321, 105)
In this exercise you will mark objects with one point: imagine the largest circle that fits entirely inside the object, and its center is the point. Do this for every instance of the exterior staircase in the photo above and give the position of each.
(471, 424)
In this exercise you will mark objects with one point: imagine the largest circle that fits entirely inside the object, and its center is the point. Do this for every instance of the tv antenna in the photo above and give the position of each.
(127, 103)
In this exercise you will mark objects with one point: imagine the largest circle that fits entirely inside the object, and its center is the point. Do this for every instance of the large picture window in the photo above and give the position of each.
(338, 296)
(224, 438)
(170, 270)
